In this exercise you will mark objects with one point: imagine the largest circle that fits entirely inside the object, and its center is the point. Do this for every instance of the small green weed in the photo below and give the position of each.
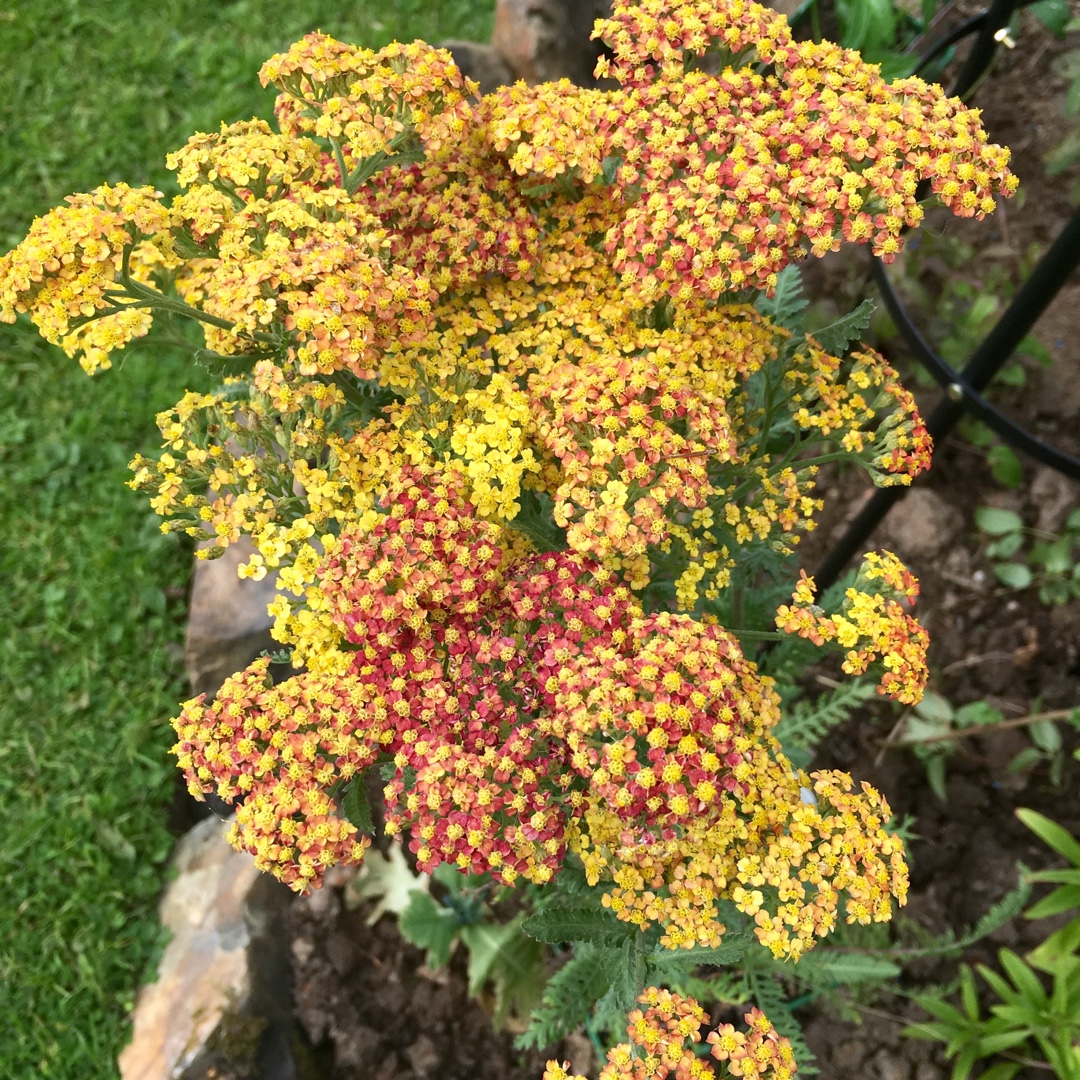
(1026, 558)
(934, 727)
(1030, 1025)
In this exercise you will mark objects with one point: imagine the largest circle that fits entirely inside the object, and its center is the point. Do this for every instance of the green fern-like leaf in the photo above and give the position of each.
(831, 969)
(787, 304)
(767, 993)
(595, 925)
(730, 951)
(625, 969)
(806, 723)
(568, 999)
(837, 336)
(723, 987)
(948, 945)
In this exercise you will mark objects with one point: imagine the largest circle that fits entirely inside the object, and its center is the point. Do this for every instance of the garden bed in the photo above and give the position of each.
(365, 996)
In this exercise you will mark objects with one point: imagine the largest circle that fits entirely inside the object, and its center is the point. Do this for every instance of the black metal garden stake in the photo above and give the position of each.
(963, 389)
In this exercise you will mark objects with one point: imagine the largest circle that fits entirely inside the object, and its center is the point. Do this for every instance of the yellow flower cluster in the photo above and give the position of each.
(490, 439)
(740, 170)
(794, 866)
(863, 399)
(665, 1034)
(67, 270)
(871, 625)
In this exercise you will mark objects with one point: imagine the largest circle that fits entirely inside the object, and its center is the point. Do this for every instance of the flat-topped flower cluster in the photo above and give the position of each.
(663, 1038)
(501, 412)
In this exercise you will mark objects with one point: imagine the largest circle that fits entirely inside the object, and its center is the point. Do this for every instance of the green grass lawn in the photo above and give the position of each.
(92, 616)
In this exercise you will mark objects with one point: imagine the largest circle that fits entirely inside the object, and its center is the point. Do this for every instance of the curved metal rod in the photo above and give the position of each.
(958, 33)
(1026, 307)
(1029, 303)
(961, 389)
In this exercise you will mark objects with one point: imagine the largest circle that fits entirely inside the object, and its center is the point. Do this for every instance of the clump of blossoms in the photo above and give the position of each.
(505, 413)
(663, 1037)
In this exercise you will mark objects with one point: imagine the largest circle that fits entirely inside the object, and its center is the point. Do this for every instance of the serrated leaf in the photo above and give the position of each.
(837, 336)
(787, 304)
(567, 1000)
(804, 724)
(356, 807)
(596, 926)
(848, 969)
(511, 960)
(731, 950)
(625, 969)
(996, 522)
(535, 519)
(426, 924)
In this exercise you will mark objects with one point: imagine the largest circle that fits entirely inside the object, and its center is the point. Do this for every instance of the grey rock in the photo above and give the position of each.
(354, 1047)
(423, 1056)
(203, 971)
(888, 1065)
(228, 625)
(849, 1054)
(481, 63)
(579, 1051)
(1054, 496)
(222, 1002)
(546, 40)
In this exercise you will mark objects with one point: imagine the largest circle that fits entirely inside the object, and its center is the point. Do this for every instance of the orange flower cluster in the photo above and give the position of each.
(663, 1038)
(739, 172)
(530, 709)
(863, 399)
(871, 625)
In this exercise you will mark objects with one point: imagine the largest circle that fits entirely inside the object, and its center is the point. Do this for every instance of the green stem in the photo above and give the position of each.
(821, 459)
(151, 298)
(982, 729)
(339, 157)
(757, 635)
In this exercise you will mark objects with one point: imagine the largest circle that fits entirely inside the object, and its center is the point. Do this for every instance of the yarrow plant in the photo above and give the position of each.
(511, 408)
